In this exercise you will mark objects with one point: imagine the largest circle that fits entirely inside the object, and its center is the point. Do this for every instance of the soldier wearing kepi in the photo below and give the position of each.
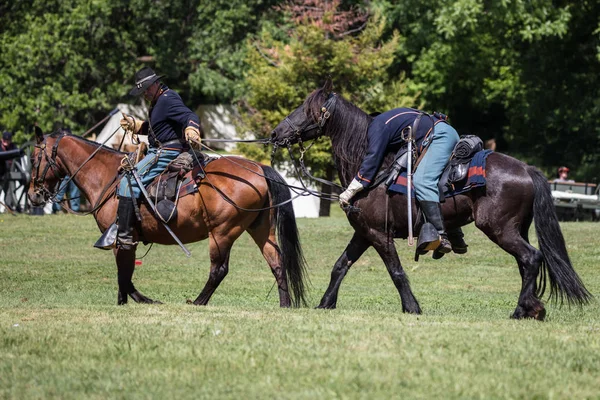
(434, 139)
(170, 129)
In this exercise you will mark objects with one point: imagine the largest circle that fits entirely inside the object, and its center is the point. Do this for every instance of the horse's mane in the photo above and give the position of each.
(347, 127)
(54, 135)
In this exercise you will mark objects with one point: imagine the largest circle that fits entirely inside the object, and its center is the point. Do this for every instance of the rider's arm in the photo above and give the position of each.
(378, 140)
(182, 115)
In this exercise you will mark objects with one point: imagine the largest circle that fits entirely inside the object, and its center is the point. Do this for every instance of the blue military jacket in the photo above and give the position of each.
(386, 131)
(168, 119)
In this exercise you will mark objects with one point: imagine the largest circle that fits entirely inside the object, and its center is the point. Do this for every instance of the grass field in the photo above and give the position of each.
(62, 335)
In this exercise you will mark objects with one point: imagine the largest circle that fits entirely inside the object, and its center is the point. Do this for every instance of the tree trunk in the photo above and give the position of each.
(325, 205)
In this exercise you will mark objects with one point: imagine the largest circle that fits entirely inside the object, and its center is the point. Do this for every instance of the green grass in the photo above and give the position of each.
(62, 335)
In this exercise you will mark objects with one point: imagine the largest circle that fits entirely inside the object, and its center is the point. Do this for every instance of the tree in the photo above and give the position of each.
(217, 49)
(282, 72)
(69, 62)
(523, 72)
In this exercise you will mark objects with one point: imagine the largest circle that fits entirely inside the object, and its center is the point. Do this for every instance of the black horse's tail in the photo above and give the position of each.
(292, 258)
(564, 281)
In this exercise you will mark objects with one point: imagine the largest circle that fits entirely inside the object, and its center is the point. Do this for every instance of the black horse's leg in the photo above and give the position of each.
(529, 260)
(389, 255)
(125, 266)
(356, 248)
(219, 267)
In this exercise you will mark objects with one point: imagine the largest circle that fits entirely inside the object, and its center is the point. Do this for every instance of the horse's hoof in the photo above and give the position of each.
(540, 315)
(121, 299)
(537, 313)
(326, 307)
(189, 301)
(140, 298)
(416, 311)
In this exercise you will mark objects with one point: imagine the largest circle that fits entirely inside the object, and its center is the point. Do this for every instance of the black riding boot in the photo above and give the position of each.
(433, 215)
(126, 221)
(457, 240)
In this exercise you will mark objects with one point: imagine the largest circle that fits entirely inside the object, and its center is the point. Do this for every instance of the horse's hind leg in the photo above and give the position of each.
(356, 248)
(264, 237)
(529, 260)
(219, 250)
(125, 267)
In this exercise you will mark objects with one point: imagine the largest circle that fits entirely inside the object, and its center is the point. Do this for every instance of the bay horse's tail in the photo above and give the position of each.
(292, 259)
(564, 281)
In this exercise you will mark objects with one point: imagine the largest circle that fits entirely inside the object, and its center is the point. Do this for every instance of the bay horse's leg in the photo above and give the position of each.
(264, 237)
(529, 259)
(389, 255)
(356, 248)
(219, 249)
(125, 267)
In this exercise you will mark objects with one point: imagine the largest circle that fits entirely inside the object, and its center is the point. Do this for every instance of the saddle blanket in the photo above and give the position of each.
(192, 180)
(475, 178)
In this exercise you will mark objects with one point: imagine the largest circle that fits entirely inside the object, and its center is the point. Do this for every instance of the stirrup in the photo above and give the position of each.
(108, 240)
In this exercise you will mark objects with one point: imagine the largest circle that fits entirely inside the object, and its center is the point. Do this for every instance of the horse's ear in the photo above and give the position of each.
(328, 85)
(39, 135)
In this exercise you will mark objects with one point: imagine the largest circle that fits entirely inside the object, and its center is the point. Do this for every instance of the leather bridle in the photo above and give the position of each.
(326, 111)
(38, 180)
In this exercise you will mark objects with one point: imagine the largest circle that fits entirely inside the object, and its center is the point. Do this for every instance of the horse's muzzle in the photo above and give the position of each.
(36, 199)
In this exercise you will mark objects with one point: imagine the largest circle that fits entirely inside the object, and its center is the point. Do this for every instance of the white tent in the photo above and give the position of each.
(112, 126)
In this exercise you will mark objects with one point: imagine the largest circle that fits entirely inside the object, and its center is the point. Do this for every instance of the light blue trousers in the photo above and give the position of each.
(74, 193)
(434, 161)
(148, 168)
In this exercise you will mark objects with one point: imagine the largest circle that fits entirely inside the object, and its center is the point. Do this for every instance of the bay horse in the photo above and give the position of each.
(221, 210)
(516, 194)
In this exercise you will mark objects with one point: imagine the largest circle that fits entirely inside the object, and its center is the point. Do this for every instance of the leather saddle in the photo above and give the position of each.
(181, 173)
(454, 174)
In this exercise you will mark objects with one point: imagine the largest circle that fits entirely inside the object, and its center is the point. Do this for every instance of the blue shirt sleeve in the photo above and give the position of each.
(378, 140)
(178, 112)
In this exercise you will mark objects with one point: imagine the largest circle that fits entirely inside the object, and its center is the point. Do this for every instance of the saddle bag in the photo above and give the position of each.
(400, 163)
(465, 149)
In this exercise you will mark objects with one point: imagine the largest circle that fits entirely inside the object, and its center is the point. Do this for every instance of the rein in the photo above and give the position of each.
(297, 190)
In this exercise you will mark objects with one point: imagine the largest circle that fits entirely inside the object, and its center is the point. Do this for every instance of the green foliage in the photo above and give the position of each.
(217, 45)
(51, 66)
(70, 62)
(522, 72)
(282, 73)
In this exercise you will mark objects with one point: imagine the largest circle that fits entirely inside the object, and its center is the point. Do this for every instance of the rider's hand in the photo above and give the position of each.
(192, 136)
(130, 124)
(345, 197)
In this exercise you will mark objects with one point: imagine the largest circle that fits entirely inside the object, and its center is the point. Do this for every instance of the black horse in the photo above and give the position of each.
(516, 194)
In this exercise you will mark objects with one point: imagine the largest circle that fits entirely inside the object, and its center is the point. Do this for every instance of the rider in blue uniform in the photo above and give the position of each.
(434, 136)
(171, 128)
